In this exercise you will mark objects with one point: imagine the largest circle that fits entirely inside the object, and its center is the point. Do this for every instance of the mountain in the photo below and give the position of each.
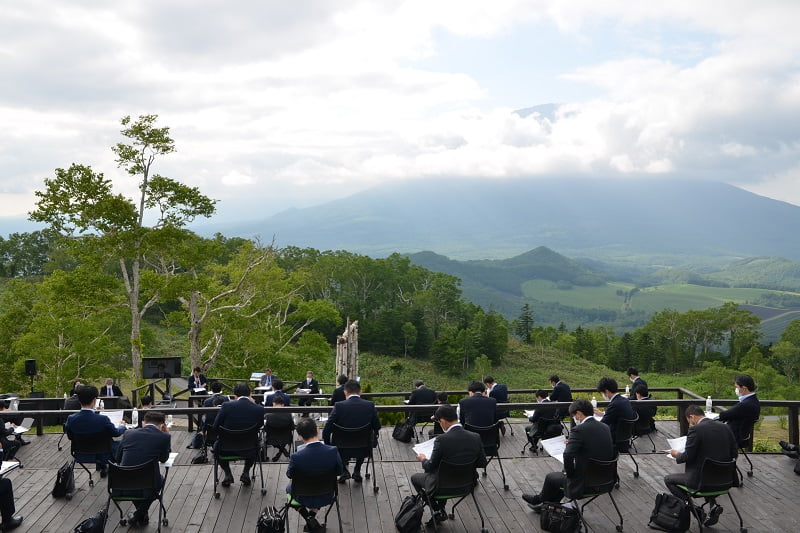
(495, 218)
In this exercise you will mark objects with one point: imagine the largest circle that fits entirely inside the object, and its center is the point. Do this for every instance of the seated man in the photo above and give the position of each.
(197, 381)
(619, 408)
(741, 417)
(455, 446)
(477, 409)
(139, 446)
(644, 411)
(353, 413)
(421, 395)
(241, 413)
(589, 439)
(544, 424)
(89, 422)
(706, 439)
(9, 447)
(147, 403)
(313, 457)
(266, 379)
(215, 400)
(311, 386)
(73, 403)
(110, 389)
(7, 508)
(277, 386)
(338, 392)
(277, 423)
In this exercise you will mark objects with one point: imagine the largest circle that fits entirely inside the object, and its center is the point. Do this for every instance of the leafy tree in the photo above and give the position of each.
(787, 358)
(409, 337)
(25, 254)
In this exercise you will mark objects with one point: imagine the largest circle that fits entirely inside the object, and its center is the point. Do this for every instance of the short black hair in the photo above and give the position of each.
(476, 386)
(488, 379)
(418, 383)
(441, 397)
(216, 387)
(5, 404)
(446, 412)
(241, 389)
(540, 394)
(277, 384)
(632, 371)
(554, 378)
(197, 369)
(277, 399)
(154, 417)
(352, 386)
(582, 405)
(147, 400)
(342, 379)
(306, 428)
(745, 380)
(607, 384)
(692, 409)
(87, 394)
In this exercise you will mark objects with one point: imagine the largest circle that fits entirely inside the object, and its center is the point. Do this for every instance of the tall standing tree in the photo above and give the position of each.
(109, 228)
(523, 325)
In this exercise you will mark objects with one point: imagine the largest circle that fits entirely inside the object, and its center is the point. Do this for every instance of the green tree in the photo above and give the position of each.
(523, 325)
(409, 337)
(787, 358)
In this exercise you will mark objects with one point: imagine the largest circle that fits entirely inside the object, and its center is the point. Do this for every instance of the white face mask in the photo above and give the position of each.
(737, 392)
(633, 379)
(575, 419)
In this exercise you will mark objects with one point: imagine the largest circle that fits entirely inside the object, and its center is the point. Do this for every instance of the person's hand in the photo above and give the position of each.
(164, 428)
(598, 412)
(421, 457)
(674, 453)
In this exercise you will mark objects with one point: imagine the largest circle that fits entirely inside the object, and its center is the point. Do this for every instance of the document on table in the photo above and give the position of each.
(198, 390)
(18, 430)
(555, 447)
(114, 416)
(677, 444)
(425, 448)
(168, 462)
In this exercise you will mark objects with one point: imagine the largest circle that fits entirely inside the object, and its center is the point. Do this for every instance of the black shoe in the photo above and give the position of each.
(13, 523)
(789, 447)
(438, 516)
(357, 477)
(532, 499)
(24, 442)
(312, 525)
(103, 471)
(245, 479)
(713, 516)
(344, 477)
(227, 481)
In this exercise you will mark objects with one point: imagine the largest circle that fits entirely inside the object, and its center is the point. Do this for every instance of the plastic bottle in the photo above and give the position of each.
(708, 405)
(594, 402)
(169, 420)
(627, 390)
(102, 405)
(65, 395)
(135, 417)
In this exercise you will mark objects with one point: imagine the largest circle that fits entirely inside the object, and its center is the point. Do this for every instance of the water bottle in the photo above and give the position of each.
(102, 405)
(594, 402)
(169, 420)
(708, 404)
(135, 417)
(627, 390)
(65, 395)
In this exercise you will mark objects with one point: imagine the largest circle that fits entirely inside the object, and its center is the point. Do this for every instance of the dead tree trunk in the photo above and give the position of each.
(347, 351)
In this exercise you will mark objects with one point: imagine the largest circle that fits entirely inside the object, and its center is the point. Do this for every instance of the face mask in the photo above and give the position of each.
(575, 419)
(737, 392)
(632, 379)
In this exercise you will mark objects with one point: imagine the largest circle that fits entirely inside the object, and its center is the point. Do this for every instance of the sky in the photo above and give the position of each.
(277, 104)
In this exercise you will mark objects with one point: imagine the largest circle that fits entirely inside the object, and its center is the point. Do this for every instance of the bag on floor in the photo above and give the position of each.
(409, 518)
(797, 468)
(559, 519)
(65, 481)
(403, 432)
(670, 514)
(271, 520)
(201, 458)
(94, 524)
(198, 441)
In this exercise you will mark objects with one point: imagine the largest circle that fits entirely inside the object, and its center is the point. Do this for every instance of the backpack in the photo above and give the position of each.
(559, 519)
(65, 481)
(409, 518)
(198, 441)
(797, 468)
(670, 514)
(94, 524)
(201, 458)
(403, 432)
(271, 520)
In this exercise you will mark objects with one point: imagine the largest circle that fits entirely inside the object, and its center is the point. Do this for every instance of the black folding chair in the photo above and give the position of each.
(645, 425)
(311, 485)
(716, 479)
(279, 437)
(236, 445)
(426, 417)
(543, 428)
(455, 481)
(745, 441)
(362, 439)
(97, 445)
(624, 439)
(490, 437)
(129, 483)
(601, 478)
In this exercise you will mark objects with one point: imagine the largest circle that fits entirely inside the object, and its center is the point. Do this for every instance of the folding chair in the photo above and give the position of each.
(127, 484)
(716, 479)
(426, 417)
(455, 481)
(544, 428)
(745, 441)
(311, 485)
(232, 445)
(279, 437)
(645, 425)
(490, 437)
(624, 438)
(601, 478)
(97, 445)
(354, 439)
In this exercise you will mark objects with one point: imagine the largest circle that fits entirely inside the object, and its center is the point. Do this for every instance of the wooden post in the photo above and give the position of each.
(347, 351)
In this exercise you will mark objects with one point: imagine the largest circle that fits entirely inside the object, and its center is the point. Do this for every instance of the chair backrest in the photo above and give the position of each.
(352, 438)
(90, 443)
(625, 429)
(490, 436)
(142, 476)
(232, 440)
(601, 476)
(278, 434)
(717, 475)
(455, 479)
(745, 436)
(305, 484)
(643, 424)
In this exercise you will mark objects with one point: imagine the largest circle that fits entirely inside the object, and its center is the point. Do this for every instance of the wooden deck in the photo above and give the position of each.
(766, 501)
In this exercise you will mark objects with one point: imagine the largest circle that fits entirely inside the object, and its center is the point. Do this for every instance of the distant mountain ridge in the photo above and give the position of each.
(496, 218)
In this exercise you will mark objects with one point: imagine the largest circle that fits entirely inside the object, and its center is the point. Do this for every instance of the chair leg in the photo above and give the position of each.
(619, 527)
(502, 473)
(636, 472)
(742, 529)
(651, 442)
(696, 513)
(510, 427)
(216, 477)
(260, 474)
(480, 512)
(371, 461)
(749, 462)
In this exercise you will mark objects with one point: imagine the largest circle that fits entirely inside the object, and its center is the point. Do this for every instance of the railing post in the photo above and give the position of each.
(794, 438)
(39, 426)
(190, 403)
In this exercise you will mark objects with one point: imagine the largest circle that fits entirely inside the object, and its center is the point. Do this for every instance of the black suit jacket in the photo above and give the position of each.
(313, 385)
(741, 416)
(115, 391)
(213, 401)
(639, 385)
(706, 439)
(477, 410)
(591, 439)
(198, 382)
(561, 393)
(338, 395)
(422, 396)
(457, 446)
(239, 414)
(315, 458)
(269, 397)
(500, 393)
(351, 413)
(619, 408)
(141, 445)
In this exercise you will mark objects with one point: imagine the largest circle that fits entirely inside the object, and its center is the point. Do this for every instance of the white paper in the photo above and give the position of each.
(19, 430)
(425, 448)
(555, 447)
(199, 389)
(8, 466)
(168, 462)
(114, 416)
(712, 416)
(677, 444)
(529, 413)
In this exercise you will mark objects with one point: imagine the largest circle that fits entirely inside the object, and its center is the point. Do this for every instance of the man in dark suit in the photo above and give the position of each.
(499, 392)
(310, 386)
(110, 389)
(198, 380)
(619, 408)
(353, 413)
(561, 393)
(241, 413)
(589, 439)
(741, 417)
(276, 426)
(477, 409)
(7, 507)
(277, 387)
(706, 439)
(421, 395)
(637, 383)
(88, 422)
(338, 392)
(544, 424)
(313, 457)
(455, 445)
(139, 446)
(7, 446)
(266, 379)
(215, 400)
